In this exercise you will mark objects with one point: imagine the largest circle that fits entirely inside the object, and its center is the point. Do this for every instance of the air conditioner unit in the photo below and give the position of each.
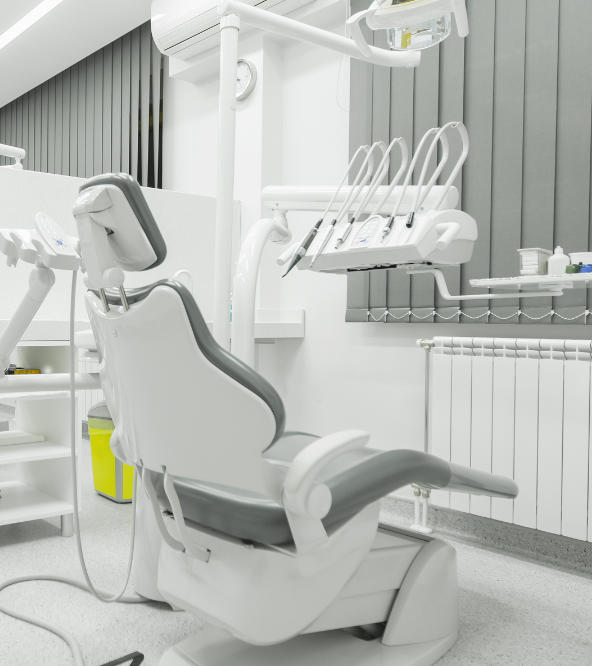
(185, 28)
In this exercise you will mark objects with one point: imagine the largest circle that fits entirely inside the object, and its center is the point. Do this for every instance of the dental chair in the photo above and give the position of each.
(271, 537)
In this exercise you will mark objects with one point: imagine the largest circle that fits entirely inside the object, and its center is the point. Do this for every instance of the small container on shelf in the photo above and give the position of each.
(558, 262)
(533, 260)
(580, 258)
(572, 269)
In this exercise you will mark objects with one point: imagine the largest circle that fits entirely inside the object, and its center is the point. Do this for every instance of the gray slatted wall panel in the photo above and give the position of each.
(44, 126)
(361, 84)
(107, 105)
(425, 116)
(3, 160)
(381, 91)
(116, 108)
(572, 161)
(101, 114)
(451, 107)
(38, 135)
(51, 127)
(89, 122)
(135, 103)
(81, 122)
(125, 102)
(477, 173)
(59, 111)
(145, 70)
(401, 124)
(73, 128)
(66, 123)
(522, 84)
(98, 117)
(508, 138)
(540, 123)
(156, 76)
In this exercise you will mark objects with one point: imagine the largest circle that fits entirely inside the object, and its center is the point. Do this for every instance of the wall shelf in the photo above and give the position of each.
(278, 325)
(546, 282)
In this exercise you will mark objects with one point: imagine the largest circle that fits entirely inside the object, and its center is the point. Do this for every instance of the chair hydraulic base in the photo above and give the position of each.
(214, 647)
(403, 599)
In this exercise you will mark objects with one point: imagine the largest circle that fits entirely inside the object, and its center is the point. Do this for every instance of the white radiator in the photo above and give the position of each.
(520, 408)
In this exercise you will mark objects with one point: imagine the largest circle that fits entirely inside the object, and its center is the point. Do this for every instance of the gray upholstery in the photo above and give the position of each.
(356, 479)
(208, 346)
(133, 194)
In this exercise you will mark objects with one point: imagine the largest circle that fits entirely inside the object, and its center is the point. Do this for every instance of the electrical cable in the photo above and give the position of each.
(88, 585)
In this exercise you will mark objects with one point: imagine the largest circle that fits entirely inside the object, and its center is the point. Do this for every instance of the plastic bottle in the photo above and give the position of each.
(558, 262)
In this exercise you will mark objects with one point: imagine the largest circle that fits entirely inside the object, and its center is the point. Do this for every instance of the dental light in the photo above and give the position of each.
(411, 25)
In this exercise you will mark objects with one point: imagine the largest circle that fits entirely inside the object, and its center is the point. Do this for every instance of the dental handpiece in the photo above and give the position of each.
(408, 176)
(362, 177)
(346, 232)
(302, 249)
(359, 151)
(375, 181)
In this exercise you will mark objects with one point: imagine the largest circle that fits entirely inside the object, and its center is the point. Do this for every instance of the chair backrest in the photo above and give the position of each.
(178, 399)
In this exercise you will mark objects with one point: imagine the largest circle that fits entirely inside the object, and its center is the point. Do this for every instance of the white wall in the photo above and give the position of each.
(187, 222)
(368, 376)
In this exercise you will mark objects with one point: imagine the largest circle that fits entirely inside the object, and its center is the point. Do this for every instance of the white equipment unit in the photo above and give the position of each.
(421, 225)
(442, 237)
(185, 28)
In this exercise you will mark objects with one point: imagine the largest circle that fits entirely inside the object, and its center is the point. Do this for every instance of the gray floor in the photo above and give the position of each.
(513, 611)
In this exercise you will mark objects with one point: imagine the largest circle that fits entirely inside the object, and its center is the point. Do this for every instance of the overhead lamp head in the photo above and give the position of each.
(417, 24)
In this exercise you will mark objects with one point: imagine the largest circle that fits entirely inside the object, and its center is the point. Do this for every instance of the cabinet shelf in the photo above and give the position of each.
(21, 503)
(37, 395)
(11, 454)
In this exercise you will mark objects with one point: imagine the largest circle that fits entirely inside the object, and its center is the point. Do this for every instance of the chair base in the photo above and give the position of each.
(215, 647)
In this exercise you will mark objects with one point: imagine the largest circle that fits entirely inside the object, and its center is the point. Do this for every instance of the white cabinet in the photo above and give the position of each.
(36, 476)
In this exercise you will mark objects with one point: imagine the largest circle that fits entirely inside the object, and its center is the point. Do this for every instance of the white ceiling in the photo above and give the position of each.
(69, 33)
(11, 11)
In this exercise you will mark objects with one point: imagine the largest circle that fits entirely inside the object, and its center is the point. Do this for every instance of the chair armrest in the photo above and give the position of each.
(302, 494)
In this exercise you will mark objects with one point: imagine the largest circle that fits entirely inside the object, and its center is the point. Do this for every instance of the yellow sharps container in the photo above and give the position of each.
(112, 478)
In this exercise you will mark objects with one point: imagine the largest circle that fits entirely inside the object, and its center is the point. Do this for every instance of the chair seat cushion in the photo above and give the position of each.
(356, 479)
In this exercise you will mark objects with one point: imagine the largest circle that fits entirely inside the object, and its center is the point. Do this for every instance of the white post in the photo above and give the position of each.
(229, 29)
(245, 284)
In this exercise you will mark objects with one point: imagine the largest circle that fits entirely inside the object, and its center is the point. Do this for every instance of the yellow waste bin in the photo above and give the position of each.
(112, 478)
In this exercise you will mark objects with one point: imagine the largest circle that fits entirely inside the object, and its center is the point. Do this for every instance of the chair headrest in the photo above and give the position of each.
(116, 203)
